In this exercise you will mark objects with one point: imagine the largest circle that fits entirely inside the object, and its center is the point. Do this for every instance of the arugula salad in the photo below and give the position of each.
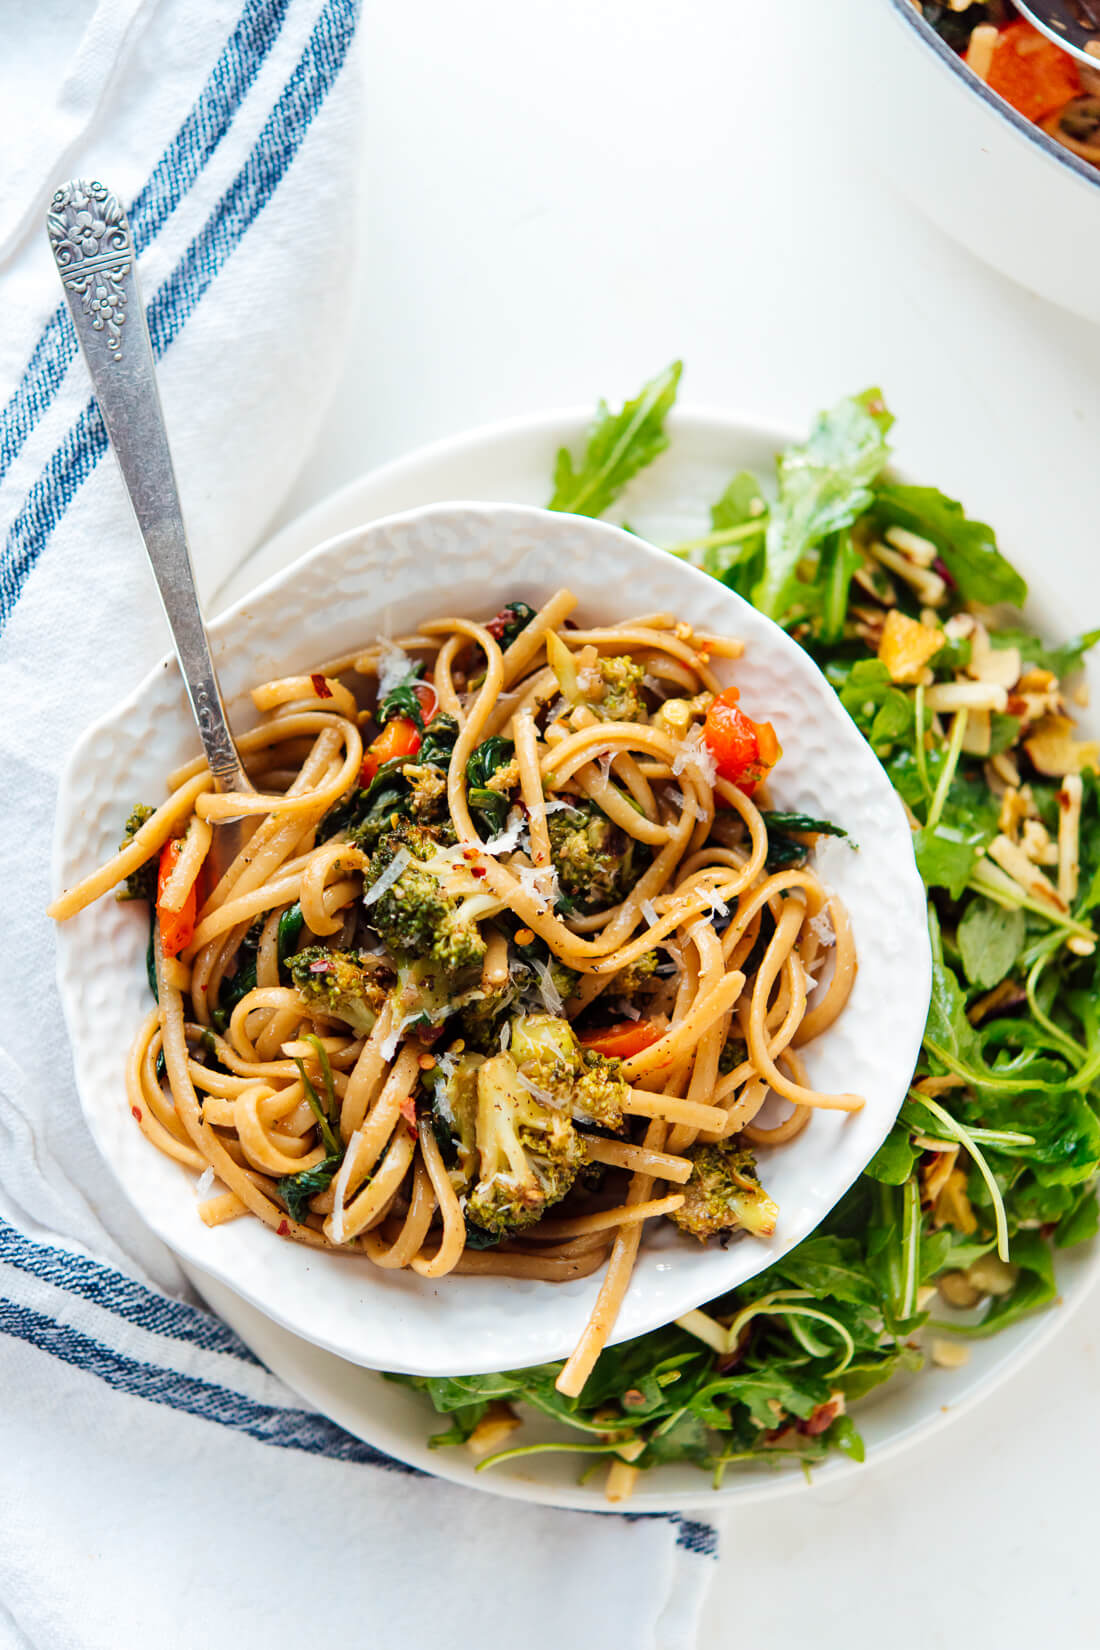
(954, 1229)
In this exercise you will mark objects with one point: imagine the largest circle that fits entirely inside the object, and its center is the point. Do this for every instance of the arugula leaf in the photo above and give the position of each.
(840, 561)
(1003, 732)
(968, 548)
(1063, 659)
(759, 1390)
(989, 940)
(880, 710)
(826, 1266)
(893, 1162)
(733, 550)
(1081, 1222)
(945, 857)
(948, 1027)
(617, 447)
(824, 486)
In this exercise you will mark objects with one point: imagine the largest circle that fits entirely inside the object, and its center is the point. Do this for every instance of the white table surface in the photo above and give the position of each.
(564, 196)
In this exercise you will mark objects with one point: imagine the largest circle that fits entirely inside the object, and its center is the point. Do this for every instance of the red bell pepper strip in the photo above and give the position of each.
(622, 1040)
(399, 737)
(177, 928)
(744, 751)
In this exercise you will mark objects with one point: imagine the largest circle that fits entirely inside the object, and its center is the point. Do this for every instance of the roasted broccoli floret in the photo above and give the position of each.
(142, 883)
(345, 984)
(610, 687)
(636, 978)
(619, 695)
(735, 1051)
(545, 1051)
(724, 1194)
(431, 903)
(427, 790)
(401, 789)
(599, 1090)
(594, 858)
(427, 994)
(529, 1154)
(454, 1115)
(483, 1013)
(548, 978)
(548, 1055)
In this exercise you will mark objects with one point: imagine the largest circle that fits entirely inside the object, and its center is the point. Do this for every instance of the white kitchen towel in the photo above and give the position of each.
(157, 1485)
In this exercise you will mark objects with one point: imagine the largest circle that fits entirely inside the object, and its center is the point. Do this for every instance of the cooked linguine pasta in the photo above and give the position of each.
(495, 988)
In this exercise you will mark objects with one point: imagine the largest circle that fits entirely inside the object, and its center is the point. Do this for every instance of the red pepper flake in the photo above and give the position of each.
(135, 1111)
(283, 1228)
(320, 686)
(407, 1108)
(477, 871)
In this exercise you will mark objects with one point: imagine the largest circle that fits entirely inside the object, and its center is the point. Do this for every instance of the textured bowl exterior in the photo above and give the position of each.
(386, 577)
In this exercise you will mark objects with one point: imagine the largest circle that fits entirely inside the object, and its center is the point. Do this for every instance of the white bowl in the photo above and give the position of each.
(391, 575)
(991, 179)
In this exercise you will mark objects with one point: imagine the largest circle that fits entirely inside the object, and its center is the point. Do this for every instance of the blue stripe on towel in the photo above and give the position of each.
(174, 174)
(113, 1291)
(246, 197)
(299, 1429)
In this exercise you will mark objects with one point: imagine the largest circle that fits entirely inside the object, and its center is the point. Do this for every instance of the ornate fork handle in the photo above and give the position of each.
(94, 252)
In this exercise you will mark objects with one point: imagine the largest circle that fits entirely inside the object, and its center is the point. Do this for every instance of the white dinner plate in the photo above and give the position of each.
(512, 461)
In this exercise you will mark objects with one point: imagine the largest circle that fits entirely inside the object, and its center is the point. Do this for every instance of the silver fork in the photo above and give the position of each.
(94, 253)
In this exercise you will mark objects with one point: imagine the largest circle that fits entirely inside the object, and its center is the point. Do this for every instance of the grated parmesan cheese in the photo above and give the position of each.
(389, 1047)
(205, 1183)
(340, 1190)
(821, 927)
(552, 999)
(512, 835)
(447, 1063)
(695, 752)
(389, 876)
(649, 912)
(686, 804)
(540, 881)
(394, 665)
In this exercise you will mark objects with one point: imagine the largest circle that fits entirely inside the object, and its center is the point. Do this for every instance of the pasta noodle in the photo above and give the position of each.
(493, 991)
